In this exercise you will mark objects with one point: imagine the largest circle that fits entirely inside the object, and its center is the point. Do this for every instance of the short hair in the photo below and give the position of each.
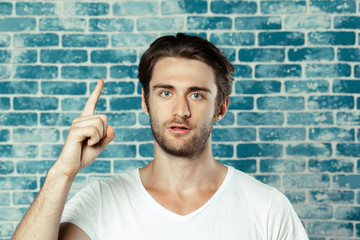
(189, 47)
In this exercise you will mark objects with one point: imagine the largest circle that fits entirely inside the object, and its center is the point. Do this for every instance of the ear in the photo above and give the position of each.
(222, 109)
(143, 102)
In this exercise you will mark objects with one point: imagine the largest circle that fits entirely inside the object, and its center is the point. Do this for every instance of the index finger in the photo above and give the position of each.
(90, 105)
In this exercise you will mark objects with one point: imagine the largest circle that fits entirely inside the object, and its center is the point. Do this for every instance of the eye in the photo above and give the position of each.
(165, 94)
(196, 96)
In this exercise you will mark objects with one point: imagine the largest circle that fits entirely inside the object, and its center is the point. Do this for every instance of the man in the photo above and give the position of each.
(184, 193)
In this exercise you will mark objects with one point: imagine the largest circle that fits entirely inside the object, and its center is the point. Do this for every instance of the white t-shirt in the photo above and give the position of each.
(242, 208)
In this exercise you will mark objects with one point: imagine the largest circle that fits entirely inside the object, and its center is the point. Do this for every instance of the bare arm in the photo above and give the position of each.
(87, 138)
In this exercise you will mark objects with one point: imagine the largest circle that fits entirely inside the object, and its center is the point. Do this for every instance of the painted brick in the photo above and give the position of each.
(259, 150)
(257, 118)
(347, 213)
(17, 183)
(86, 9)
(241, 103)
(160, 24)
(83, 72)
(129, 103)
(222, 150)
(248, 166)
(6, 167)
(40, 134)
(119, 151)
(346, 181)
(111, 25)
(135, 8)
(18, 119)
(288, 7)
(125, 165)
(15, 56)
(229, 53)
(282, 134)
(348, 118)
(57, 119)
(121, 119)
(257, 87)
(113, 56)
(133, 134)
(23, 198)
(331, 196)
(311, 54)
(62, 24)
(146, 150)
(36, 40)
(63, 88)
(227, 120)
(233, 7)
(271, 180)
(306, 181)
(261, 55)
(85, 40)
(123, 71)
(328, 70)
(4, 72)
(308, 211)
(4, 135)
(307, 86)
(233, 39)
(183, 7)
(5, 9)
(35, 103)
(18, 151)
(331, 134)
(233, 134)
(295, 197)
(277, 165)
(332, 38)
(116, 88)
(281, 38)
(4, 200)
(330, 228)
(331, 102)
(258, 23)
(348, 149)
(144, 119)
(243, 71)
(132, 39)
(50, 151)
(277, 71)
(12, 214)
(309, 149)
(327, 6)
(4, 103)
(17, 24)
(357, 230)
(332, 165)
(349, 54)
(33, 167)
(37, 8)
(202, 23)
(78, 104)
(280, 103)
(98, 166)
(36, 72)
(63, 56)
(357, 71)
(307, 22)
(347, 22)
(4, 40)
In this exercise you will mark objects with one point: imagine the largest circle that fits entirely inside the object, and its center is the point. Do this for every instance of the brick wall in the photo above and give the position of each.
(293, 120)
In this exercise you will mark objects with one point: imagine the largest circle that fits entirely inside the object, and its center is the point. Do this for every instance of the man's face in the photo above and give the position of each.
(182, 97)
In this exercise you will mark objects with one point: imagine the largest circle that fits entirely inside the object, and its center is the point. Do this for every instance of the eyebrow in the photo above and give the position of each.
(200, 89)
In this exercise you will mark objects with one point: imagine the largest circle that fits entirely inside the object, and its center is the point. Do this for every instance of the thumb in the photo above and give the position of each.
(110, 136)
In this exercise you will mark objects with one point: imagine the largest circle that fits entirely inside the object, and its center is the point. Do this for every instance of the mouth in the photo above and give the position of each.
(179, 128)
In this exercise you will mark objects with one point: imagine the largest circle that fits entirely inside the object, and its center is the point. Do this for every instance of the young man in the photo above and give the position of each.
(184, 193)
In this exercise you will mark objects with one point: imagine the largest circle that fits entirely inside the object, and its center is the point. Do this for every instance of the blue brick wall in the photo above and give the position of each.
(293, 120)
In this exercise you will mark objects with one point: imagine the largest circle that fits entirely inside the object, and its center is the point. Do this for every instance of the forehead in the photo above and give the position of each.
(182, 71)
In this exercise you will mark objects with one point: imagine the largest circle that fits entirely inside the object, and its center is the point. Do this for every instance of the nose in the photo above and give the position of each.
(181, 108)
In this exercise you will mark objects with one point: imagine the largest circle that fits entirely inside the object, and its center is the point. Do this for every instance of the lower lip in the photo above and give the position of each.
(179, 130)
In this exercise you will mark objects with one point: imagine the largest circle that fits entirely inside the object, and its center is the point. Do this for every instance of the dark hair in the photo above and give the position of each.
(190, 47)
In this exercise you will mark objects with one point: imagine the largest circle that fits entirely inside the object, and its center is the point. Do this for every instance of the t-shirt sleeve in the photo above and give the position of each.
(283, 222)
(83, 209)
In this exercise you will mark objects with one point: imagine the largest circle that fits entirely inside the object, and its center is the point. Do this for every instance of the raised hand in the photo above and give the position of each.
(88, 136)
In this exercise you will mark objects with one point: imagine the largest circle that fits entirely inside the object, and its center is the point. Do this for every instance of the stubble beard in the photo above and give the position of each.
(181, 145)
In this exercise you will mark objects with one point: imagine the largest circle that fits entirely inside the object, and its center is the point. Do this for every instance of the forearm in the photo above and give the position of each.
(42, 220)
